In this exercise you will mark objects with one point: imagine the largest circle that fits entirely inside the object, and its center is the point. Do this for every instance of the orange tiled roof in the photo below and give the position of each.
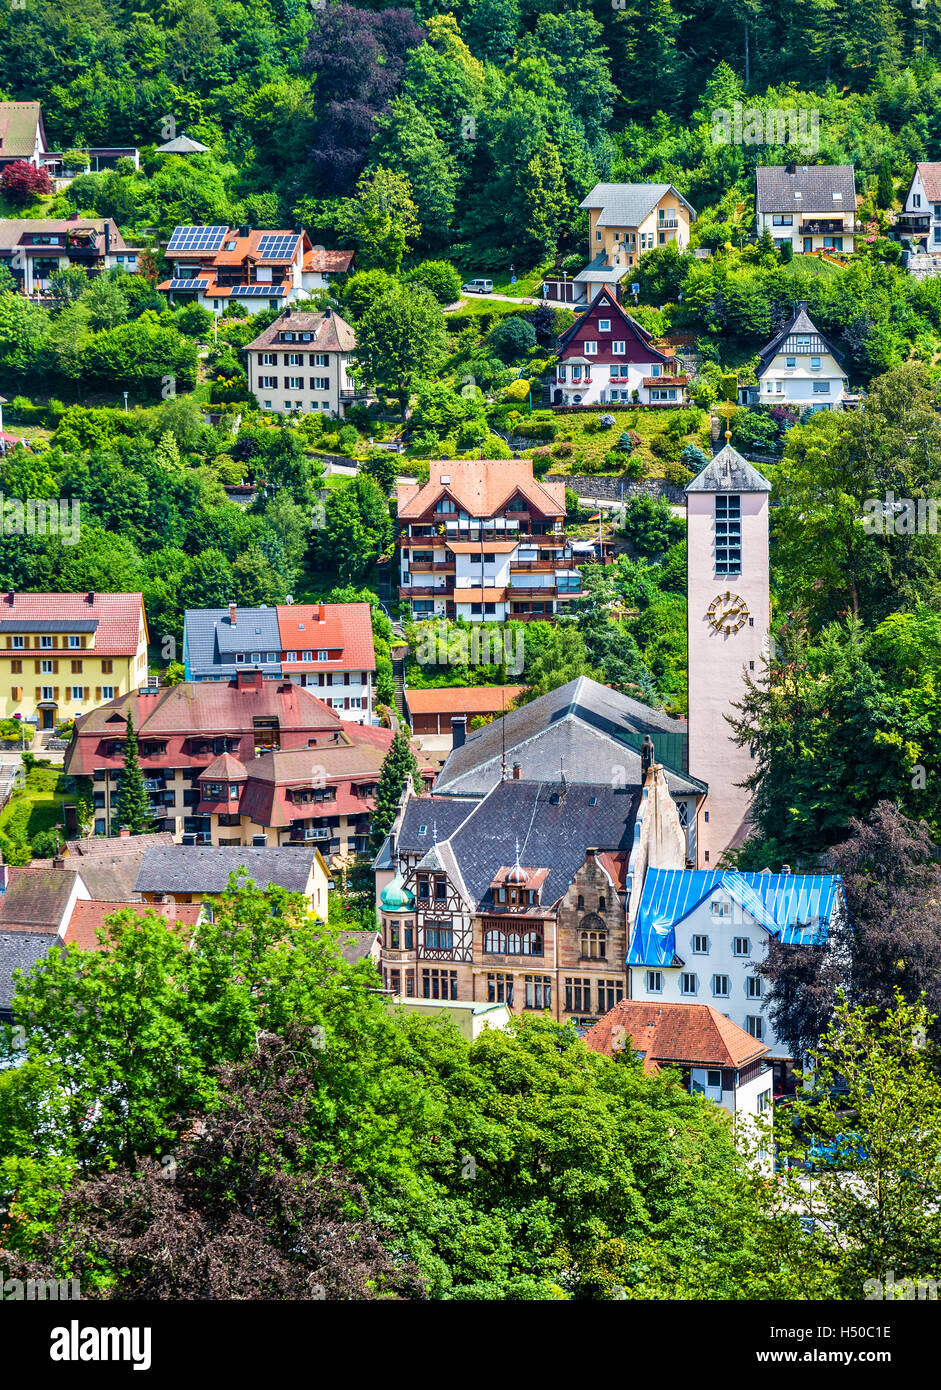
(118, 616)
(481, 487)
(472, 699)
(89, 917)
(694, 1034)
(342, 627)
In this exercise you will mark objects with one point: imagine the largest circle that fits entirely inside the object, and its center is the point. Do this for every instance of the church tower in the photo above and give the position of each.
(728, 628)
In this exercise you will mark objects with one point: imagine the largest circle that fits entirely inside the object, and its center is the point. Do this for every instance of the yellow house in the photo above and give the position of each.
(63, 654)
(624, 221)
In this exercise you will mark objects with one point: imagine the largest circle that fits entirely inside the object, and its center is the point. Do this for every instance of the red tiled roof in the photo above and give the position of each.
(119, 616)
(226, 768)
(695, 1034)
(472, 699)
(931, 181)
(327, 262)
(89, 917)
(346, 627)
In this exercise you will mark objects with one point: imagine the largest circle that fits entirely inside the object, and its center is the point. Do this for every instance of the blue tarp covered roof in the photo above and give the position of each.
(796, 908)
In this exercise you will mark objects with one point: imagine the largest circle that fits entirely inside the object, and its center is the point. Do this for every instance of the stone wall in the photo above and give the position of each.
(619, 489)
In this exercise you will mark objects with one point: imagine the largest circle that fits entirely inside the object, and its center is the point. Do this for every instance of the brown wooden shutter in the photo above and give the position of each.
(38, 694)
(97, 693)
(9, 640)
(55, 693)
(55, 641)
(55, 668)
(36, 664)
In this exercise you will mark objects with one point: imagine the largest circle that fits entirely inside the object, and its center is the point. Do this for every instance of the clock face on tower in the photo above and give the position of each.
(727, 612)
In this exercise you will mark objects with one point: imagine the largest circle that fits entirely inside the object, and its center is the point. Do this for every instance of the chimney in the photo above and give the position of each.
(233, 612)
(124, 833)
(517, 770)
(321, 612)
(792, 167)
(245, 230)
(107, 235)
(58, 862)
(458, 730)
(90, 596)
(646, 756)
(248, 680)
(590, 855)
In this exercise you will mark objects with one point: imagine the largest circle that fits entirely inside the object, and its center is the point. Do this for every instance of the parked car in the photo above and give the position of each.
(477, 287)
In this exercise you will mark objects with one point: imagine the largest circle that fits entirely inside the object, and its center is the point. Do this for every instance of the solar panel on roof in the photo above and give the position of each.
(274, 246)
(188, 284)
(197, 238)
(256, 291)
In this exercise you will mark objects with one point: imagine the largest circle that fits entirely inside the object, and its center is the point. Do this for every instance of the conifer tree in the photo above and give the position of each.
(398, 765)
(133, 808)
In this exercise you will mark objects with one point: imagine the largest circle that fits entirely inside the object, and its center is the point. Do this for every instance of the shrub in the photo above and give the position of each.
(563, 450)
(676, 474)
(45, 844)
(634, 466)
(440, 277)
(537, 429)
(348, 438)
(512, 338)
(663, 447)
(693, 458)
(517, 390)
(20, 182)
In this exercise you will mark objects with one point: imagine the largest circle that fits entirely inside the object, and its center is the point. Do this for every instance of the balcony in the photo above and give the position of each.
(532, 566)
(825, 226)
(425, 591)
(432, 566)
(668, 224)
(668, 381)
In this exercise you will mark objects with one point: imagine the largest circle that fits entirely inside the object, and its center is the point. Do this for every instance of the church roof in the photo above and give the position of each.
(729, 472)
(582, 729)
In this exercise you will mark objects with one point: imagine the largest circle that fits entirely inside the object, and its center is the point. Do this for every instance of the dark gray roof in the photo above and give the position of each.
(627, 204)
(592, 733)
(426, 817)
(206, 868)
(210, 641)
(20, 951)
(776, 189)
(551, 836)
(727, 471)
(799, 322)
(598, 269)
(356, 945)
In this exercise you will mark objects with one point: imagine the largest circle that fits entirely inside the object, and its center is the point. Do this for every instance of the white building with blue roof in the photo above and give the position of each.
(698, 936)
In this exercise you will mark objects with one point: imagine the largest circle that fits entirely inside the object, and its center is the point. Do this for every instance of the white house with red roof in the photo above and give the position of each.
(63, 654)
(920, 218)
(212, 266)
(326, 647)
(606, 357)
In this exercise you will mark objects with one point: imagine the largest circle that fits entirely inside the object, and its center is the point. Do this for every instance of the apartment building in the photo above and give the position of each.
(624, 221)
(303, 362)
(62, 654)
(249, 761)
(606, 357)
(483, 540)
(33, 249)
(214, 266)
(811, 206)
(326, 647)
(920, 218)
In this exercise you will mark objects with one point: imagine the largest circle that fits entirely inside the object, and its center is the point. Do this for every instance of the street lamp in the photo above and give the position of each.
(125, 402)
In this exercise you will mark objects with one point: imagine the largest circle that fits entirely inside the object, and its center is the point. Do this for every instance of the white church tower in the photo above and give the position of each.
(728, 627)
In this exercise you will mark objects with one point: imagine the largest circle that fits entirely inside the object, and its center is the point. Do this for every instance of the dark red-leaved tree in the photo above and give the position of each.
(237, 1217)
(891, 938)
(20, 182)
(358, 58)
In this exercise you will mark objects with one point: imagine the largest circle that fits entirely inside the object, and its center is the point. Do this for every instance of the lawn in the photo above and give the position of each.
(589, 448)
(35, 806)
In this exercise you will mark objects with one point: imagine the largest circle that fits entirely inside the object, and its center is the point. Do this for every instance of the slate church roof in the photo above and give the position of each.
(584, 730)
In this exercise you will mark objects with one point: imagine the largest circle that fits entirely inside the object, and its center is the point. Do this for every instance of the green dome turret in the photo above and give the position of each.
(395, 897)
